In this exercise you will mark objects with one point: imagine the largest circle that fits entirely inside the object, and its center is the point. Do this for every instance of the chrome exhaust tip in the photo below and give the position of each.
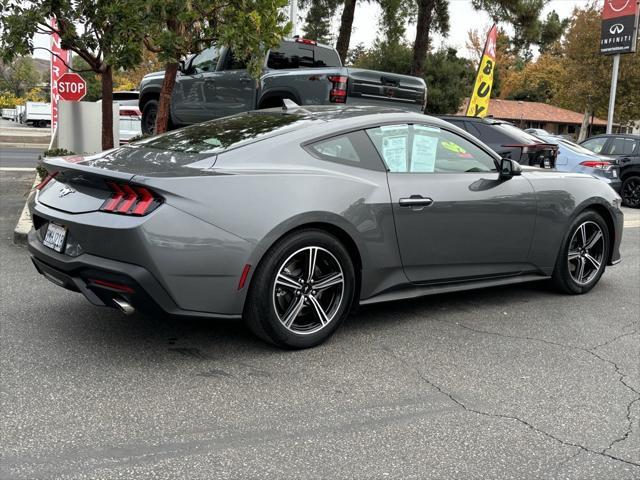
(124, 306)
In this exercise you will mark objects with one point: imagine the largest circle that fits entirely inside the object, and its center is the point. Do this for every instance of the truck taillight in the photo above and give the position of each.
(130, 200)
(338, 93)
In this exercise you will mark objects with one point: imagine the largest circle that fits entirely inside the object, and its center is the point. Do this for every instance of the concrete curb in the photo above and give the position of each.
(43, 146)
(23, 227)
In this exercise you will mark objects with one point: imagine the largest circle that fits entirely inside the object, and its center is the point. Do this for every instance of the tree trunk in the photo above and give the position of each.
(421, 44)
(346, 25)
(584, 128)
(107, 108)
(164, 106)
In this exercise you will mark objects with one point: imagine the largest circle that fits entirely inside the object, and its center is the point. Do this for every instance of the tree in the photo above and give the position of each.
(175, 29)
(317, 23)
(110, 37)
(524, 17)
(448, 76)
(18, 76)
(537, 81)
(346, 26)
(433, 15)
(94, 85)
(585, 76)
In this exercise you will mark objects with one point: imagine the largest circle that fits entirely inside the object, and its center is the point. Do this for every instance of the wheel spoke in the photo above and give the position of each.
(594, 239)
(594, 262)
(583, 234)
(581, 265)
(573, 255)
(287, 281)
(313, 255)
(328, 281)
(322, 316)
(293, 312)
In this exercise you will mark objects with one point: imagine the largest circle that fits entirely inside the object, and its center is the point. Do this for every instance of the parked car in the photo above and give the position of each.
(575, 158)
(129, 98)
(291, 217)
(130, 123)
(625, 150)
(215, 84)
(537, 131)
(508, 140)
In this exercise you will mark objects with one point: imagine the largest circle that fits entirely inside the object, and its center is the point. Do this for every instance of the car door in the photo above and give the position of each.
(625, 149)
(194, 99)
(454, 218)
(235, 88)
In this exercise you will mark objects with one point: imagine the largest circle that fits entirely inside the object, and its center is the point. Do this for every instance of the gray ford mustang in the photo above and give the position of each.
(290, 218)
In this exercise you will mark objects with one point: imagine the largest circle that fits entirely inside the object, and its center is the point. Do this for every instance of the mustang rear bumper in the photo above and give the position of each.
(102, 280)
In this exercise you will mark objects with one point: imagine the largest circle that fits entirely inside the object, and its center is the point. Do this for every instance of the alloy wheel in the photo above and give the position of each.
(308, 290)
(631, 192)
(586, 252)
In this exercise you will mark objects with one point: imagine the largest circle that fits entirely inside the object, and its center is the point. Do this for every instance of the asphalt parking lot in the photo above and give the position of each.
(516, 382)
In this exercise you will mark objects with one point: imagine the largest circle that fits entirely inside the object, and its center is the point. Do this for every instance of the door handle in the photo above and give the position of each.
(245, 80)
(415, 201)
(209, 80)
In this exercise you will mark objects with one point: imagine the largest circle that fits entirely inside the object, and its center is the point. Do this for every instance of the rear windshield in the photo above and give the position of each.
(520, 136)
(301, 55)
(222, 134)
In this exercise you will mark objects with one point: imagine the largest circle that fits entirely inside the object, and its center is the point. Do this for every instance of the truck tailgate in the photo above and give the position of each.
(370, 87)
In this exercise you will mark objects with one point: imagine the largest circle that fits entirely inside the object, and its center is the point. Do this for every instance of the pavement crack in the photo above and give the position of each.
(617, 337)
(529, 425)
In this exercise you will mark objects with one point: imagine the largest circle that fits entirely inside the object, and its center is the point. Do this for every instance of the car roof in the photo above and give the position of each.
(345, 117)
(614, 135)
(488, 119)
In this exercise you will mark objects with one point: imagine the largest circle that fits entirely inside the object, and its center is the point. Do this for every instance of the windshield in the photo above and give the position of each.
(575, 147)
(222, 134)
(519, 134)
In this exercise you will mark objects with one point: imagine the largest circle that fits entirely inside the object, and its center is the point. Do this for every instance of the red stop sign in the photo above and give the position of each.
(72, 87)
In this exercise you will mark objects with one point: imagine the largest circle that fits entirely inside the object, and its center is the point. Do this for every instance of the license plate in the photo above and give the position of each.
(55, 236)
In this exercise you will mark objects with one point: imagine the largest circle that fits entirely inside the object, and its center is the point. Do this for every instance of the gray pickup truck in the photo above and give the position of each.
(214, 84)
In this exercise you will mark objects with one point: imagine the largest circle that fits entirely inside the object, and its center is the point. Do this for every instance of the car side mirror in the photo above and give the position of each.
(185, 66)
(509, 168)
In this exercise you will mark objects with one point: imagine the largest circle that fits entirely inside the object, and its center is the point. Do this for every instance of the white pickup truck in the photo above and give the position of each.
(37, 114)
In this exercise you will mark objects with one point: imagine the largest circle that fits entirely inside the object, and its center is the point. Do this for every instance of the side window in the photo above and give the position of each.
(595, 144)
(231, 62)
(353, 148)
(491, 134)
(289, 55)
(206, 61)
(427, 149)
(622, 146)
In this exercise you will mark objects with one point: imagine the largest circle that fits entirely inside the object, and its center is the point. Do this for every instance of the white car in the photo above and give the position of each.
(130, 123)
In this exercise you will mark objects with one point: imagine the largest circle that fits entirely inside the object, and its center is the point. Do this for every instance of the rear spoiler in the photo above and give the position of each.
(72, 163)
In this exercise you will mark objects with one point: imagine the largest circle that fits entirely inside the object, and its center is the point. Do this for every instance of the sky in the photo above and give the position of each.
(365, 25)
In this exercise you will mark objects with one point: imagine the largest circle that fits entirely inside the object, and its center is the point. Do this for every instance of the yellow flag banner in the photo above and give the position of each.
(479, 101)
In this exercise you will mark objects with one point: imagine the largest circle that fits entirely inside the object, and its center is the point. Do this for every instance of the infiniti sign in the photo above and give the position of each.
(618, 33)
(616, 28)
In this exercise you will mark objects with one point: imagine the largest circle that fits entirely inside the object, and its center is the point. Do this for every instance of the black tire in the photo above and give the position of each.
(630, 191)
(149, 114)
(574, 253)
(269, 301)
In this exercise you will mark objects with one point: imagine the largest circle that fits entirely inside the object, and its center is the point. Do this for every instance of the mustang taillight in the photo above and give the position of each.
(338, 93)
(46, 180)
(130, 200)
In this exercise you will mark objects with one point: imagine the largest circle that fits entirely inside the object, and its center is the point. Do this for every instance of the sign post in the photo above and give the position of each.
(72, 87)
(618, 34)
